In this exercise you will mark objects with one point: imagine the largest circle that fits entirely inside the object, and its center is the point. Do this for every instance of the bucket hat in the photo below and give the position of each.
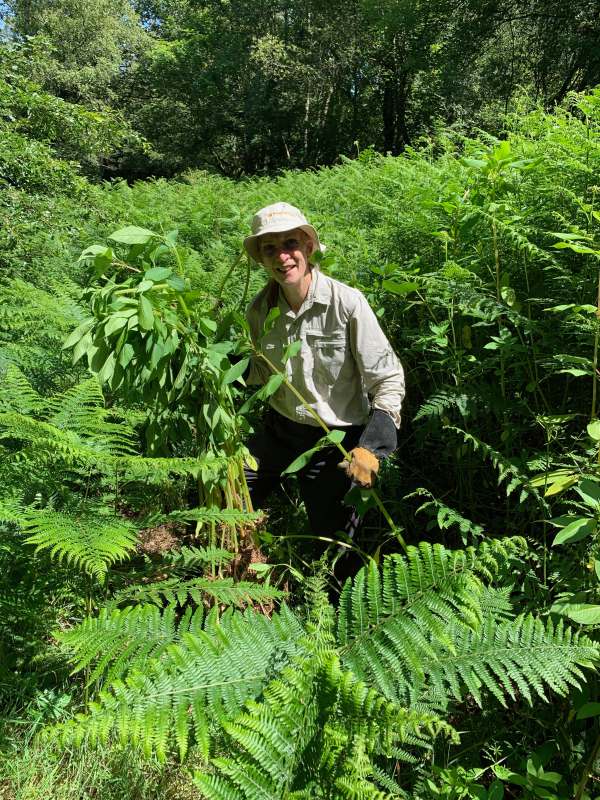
(277, 218)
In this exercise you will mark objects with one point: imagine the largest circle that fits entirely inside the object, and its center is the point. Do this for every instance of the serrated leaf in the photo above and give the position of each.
(131, 234)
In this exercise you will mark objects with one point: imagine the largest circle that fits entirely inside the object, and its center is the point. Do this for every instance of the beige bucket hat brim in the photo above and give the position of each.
(278, 218)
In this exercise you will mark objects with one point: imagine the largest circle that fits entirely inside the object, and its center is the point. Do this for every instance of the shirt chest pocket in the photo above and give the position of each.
(329, 354)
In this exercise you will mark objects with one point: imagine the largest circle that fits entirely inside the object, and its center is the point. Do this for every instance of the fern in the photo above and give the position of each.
(442, 401)
(507, 471)
(291, 747)
(17, 394)
(87, 539)
(205, 675)
(510, 657)
(324, 707)
(391, 620)
(188, 558)
(446, 517)
(130, 638)
(224, 591)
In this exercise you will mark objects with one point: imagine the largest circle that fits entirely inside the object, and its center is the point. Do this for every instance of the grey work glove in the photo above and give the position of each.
(378, 440)
(380, 436)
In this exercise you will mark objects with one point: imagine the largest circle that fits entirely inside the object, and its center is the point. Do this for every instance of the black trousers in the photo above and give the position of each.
(322, 485)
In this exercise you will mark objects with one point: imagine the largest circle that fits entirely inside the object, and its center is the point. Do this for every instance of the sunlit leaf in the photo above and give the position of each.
(575, 531)
(145, 314)
(132, 235)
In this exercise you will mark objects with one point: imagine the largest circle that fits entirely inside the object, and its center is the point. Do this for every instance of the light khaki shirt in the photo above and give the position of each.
(344, 360)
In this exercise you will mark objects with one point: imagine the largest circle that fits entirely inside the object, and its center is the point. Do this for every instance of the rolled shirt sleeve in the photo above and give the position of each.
(380, 368)
(344, 368)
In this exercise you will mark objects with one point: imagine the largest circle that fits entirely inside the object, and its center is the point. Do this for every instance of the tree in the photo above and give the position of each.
(91, 43)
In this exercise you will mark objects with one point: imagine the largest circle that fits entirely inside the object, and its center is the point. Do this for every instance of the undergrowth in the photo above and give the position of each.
(207, 659)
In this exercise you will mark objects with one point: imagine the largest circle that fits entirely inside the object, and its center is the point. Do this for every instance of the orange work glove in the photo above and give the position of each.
(362, 467)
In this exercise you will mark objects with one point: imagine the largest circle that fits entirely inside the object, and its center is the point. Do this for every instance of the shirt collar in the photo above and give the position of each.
(319, 291)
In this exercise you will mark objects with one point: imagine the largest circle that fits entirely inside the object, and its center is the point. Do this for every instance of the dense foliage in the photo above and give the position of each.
(247, 88)
(212, 656)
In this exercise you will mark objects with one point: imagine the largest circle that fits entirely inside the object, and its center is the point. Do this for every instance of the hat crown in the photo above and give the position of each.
(280, 216)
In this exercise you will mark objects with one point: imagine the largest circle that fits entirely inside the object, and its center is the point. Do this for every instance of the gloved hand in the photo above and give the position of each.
(362, 468)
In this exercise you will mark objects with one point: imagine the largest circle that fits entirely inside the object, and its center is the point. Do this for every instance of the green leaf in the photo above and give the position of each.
(108, 369)
(588, 710)
(475, 163)
(273, 314)
(399, 288)
(302, 460)
(158, 274)
(114, 323)
(176, 282)
(577, 373)
(334, 437)
(593, 430)
(568, 237)
(496, 791)
(577, 248)
(508, 295)
(272, 385)
(132, 235)
(585, 614)
(577, 530)
(589, 491)
(79, 331)
(560, 485)
(126, 354)
(582, 613)
(145, 314)
(236, 371)
(207, 325)
(291, 350)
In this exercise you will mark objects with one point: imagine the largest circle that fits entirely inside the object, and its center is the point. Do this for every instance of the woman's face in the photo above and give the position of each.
(285, 255)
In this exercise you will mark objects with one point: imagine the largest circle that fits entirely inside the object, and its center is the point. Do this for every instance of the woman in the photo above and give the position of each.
(345, 369)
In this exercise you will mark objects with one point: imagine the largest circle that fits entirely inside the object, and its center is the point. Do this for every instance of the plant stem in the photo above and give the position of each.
(587, 770)
(498, 298)
(317, 418)
(228, 275)
(595, 356)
